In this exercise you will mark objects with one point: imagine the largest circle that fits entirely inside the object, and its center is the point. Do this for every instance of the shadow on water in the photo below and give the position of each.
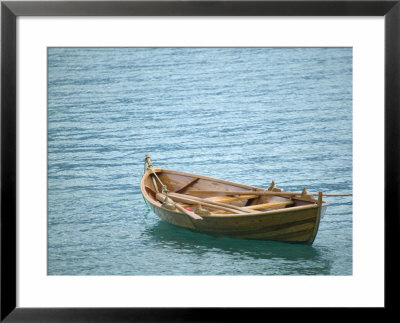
(183, 239)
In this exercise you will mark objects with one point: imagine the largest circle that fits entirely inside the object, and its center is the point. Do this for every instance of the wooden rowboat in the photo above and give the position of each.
(222, 208)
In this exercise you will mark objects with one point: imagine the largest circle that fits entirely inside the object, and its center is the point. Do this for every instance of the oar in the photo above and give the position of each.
(215, 205)
(191, 214)
(194, 216)
(216, 193)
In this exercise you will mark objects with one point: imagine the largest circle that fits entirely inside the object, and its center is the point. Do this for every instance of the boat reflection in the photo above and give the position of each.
(185, 240)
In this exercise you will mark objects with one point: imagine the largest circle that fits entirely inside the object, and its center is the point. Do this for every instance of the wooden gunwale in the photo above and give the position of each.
(159, 170)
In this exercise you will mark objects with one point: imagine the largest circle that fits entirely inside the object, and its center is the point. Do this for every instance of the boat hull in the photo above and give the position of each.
(296, 224)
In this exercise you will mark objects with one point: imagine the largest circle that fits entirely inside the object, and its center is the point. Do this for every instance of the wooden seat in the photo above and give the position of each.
(227, 199)
(186, 185)
(275, 205)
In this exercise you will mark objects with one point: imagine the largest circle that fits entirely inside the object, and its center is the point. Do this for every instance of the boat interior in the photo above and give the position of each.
(205, 196)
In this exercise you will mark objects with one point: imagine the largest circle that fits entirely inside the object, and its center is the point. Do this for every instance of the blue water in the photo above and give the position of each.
(249, 115)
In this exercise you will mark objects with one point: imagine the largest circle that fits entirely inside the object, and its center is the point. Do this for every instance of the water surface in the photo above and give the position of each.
(249, 115)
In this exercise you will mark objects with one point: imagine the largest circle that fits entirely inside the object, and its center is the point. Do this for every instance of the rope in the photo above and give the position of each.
(164, 188)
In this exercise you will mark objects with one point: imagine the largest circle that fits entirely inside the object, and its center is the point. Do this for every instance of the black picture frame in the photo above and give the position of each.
(10, 10)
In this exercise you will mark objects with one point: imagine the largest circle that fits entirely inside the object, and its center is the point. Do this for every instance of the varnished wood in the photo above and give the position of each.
(226, 211)
(269, 205)
(226, 199)
(186, 185)
(261, 192)
(153, 180)
(319, 214)
(204, 202)
(162, 197)
(320, 198)
(189, 213)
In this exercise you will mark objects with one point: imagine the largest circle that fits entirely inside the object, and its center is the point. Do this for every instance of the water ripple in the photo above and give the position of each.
(249, 115)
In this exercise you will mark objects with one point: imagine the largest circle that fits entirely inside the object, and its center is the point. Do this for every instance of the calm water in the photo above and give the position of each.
(248, 115)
